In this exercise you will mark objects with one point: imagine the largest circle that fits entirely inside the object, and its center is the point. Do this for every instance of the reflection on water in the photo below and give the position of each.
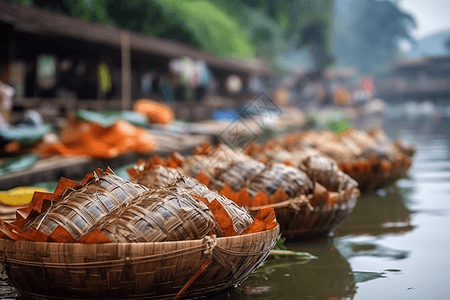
(350, 248)
(328, 277)
(395, 243)
(375, 215)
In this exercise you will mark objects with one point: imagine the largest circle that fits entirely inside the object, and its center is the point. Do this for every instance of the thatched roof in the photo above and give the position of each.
(34, 20)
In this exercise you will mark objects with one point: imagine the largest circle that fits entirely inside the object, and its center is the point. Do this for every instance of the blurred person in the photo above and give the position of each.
(6, 94)
(147, 83)
(204, 80)
(166, 89)
(255, 85)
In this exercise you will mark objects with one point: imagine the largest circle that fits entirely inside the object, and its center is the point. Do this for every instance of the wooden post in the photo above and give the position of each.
(126, 70)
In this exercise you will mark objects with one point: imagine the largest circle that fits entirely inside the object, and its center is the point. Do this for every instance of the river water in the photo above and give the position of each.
(396, 242)
(394, 245)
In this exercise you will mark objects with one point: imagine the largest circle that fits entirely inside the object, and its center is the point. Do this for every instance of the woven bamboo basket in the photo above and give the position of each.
(297, 220)
(312, 212)
(371, 158)
(156, 270)
(309, 199)
(374, 175)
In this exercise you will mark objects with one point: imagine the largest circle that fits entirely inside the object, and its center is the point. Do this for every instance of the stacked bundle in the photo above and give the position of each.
(306, 202)
(371, 158)
(176, 227)
(331, 193)
(233, 219)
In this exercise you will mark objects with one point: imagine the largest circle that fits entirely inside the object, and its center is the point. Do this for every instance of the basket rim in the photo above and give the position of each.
(199, 241)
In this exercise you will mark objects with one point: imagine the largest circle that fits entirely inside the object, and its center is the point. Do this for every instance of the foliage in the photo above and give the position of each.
(368, 33)
(447, 44)
(266, 33)
(199, 23)
(285, 26)
(247, 28)
(280, 250)
(280, 244)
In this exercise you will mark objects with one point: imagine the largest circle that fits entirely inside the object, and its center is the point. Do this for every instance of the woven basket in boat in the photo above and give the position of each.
(298, 220)
(133, 270)
(375, 176)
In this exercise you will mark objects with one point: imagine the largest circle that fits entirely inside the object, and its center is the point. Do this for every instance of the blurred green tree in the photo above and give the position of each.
(247, 28)
(277, 27)
(447, 44)
(199, 23)
(368, 35)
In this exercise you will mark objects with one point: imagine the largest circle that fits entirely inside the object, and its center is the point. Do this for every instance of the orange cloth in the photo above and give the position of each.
(81, 138)
(341, 97)
(156, 112)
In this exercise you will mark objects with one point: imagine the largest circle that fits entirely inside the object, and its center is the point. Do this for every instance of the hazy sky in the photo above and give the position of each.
(431, 16)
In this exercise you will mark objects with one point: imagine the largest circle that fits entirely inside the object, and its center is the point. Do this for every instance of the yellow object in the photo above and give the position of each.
(104, 77)
(19, 195)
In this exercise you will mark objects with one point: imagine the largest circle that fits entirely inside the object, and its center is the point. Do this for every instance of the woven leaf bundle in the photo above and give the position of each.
(293, 192)
(160, 215)
(77, 210)
(209, 161)
(295, 157)
(236, 175)
(310, 197)
(325, 171)
(160, 176)
(240, 219)
(371, 158)
(293, 181)
(196, 164)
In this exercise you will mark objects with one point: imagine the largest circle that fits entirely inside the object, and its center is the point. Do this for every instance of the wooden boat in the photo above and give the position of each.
(371, 158)
(158, 270)
(108, 238)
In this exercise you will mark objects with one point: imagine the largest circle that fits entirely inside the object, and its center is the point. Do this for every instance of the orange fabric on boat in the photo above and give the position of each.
(61, 235)
(156, 112)
(265, 220)
(83, 138)
(95, 237)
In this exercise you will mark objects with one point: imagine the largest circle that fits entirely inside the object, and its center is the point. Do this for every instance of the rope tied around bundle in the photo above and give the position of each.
(295, 203)
(210, 242)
